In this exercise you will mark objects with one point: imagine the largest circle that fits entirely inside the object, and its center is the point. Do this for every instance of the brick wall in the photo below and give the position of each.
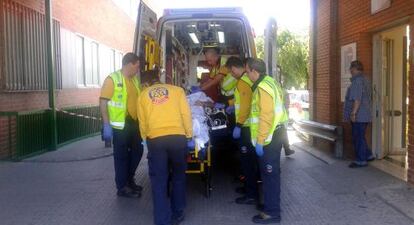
(7, 135)
(26, 101)
(101, 20)
(353, 22)
(326, 62)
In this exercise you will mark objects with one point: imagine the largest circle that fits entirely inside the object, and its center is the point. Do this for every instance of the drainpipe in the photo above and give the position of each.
(314, 7)
(50, 74)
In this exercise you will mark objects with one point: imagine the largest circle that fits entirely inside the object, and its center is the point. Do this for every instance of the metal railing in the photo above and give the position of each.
(29, 133)
(72, 127)
(32, 133)
(24, 52)
(327, 132)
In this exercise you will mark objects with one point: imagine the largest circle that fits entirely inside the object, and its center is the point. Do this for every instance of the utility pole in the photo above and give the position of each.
(51, 74)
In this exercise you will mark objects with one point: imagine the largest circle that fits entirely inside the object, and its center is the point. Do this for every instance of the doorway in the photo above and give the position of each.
(390, 97)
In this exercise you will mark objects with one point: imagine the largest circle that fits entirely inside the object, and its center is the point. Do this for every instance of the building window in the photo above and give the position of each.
(118, 60)
(112, 60)
(87, 62)
(95, 63)
(80, 59)
(24, 49)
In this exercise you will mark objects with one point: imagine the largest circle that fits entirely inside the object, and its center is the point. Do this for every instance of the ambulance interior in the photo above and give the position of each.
(182, 42)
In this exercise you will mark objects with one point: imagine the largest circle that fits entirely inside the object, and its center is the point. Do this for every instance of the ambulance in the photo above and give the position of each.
(174, 43)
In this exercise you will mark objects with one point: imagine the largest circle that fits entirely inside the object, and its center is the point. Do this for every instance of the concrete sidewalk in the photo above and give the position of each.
(75, 185)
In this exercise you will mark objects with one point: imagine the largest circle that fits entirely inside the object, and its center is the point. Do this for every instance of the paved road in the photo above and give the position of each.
(74, 185)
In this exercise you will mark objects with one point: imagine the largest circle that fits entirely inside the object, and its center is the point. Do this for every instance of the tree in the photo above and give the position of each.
(293, 56)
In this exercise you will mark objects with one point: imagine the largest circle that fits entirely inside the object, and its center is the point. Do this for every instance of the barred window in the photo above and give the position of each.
(25, 56)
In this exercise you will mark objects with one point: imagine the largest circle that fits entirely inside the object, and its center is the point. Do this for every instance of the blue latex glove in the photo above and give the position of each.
(236, 132)
(107, 132)
(191, 143)
(230, 109)
(219, 105)
(259, 150)
(195, 89)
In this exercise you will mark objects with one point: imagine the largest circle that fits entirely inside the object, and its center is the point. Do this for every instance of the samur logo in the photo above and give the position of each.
(158, 95)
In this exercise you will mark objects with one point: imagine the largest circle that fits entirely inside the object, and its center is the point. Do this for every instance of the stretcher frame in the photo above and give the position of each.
(204, 167)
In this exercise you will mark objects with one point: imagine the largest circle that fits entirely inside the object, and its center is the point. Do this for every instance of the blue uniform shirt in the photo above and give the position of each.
(360, 90)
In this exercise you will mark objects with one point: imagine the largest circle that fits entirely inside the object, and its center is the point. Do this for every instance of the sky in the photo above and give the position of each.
(293, 15)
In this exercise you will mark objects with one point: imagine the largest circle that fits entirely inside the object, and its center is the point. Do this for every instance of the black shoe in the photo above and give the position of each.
(372, 158)
(131, 184)
(289, 152)
(356, 165)
(263, 218)
(246, 201)
(128, 193)
(177, 219)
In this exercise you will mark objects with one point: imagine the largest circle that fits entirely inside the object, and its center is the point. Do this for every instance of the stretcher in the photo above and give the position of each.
(199, 160)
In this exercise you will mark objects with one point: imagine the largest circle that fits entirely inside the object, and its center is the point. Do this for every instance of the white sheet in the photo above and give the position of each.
(200, 128)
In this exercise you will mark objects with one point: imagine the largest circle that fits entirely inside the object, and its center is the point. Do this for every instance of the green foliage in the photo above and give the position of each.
(293, 56)
(259, 41)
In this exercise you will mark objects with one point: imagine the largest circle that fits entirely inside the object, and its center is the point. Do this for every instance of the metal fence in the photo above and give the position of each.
(71, 127)
(29, 133)
(33, 133)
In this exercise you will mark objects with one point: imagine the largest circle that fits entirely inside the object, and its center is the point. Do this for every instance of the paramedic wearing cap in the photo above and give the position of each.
(166, 128)
(267, 116)
(220, 75)
(117, 103)
(242, 104)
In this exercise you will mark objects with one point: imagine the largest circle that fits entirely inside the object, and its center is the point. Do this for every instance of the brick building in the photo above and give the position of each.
(380, 33)
(90, 38)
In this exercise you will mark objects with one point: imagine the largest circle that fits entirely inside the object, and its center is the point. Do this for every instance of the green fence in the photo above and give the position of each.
(72, 127)
(33, 133)
(28, 133)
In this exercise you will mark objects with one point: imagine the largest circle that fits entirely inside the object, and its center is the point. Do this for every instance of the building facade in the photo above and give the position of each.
(90, 38)
(379, 33)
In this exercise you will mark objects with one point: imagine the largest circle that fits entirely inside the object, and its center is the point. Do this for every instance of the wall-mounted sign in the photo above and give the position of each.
(348, 54)
(379, 5)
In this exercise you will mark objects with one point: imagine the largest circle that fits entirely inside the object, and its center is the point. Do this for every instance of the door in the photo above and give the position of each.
(390, 95)
(270, 49)
(387, 91)
(145, 41)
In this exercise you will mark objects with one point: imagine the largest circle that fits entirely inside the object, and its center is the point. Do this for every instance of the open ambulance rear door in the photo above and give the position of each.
(270, 49)
(145, 40)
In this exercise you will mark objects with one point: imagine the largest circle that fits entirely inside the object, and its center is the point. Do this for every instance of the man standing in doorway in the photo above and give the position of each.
(267, 117)
(117, 103)
(357, 110)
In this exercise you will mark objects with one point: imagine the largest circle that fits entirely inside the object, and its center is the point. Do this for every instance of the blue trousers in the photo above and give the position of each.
(269, 166)
(248, 163)
(165, 154)
(127, 152)
(362, 151)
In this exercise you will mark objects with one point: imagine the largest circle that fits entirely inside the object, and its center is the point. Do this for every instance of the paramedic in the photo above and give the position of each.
(119, 95)
(267, 116)
(241, 132)
(166, 128)
(219, 74)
